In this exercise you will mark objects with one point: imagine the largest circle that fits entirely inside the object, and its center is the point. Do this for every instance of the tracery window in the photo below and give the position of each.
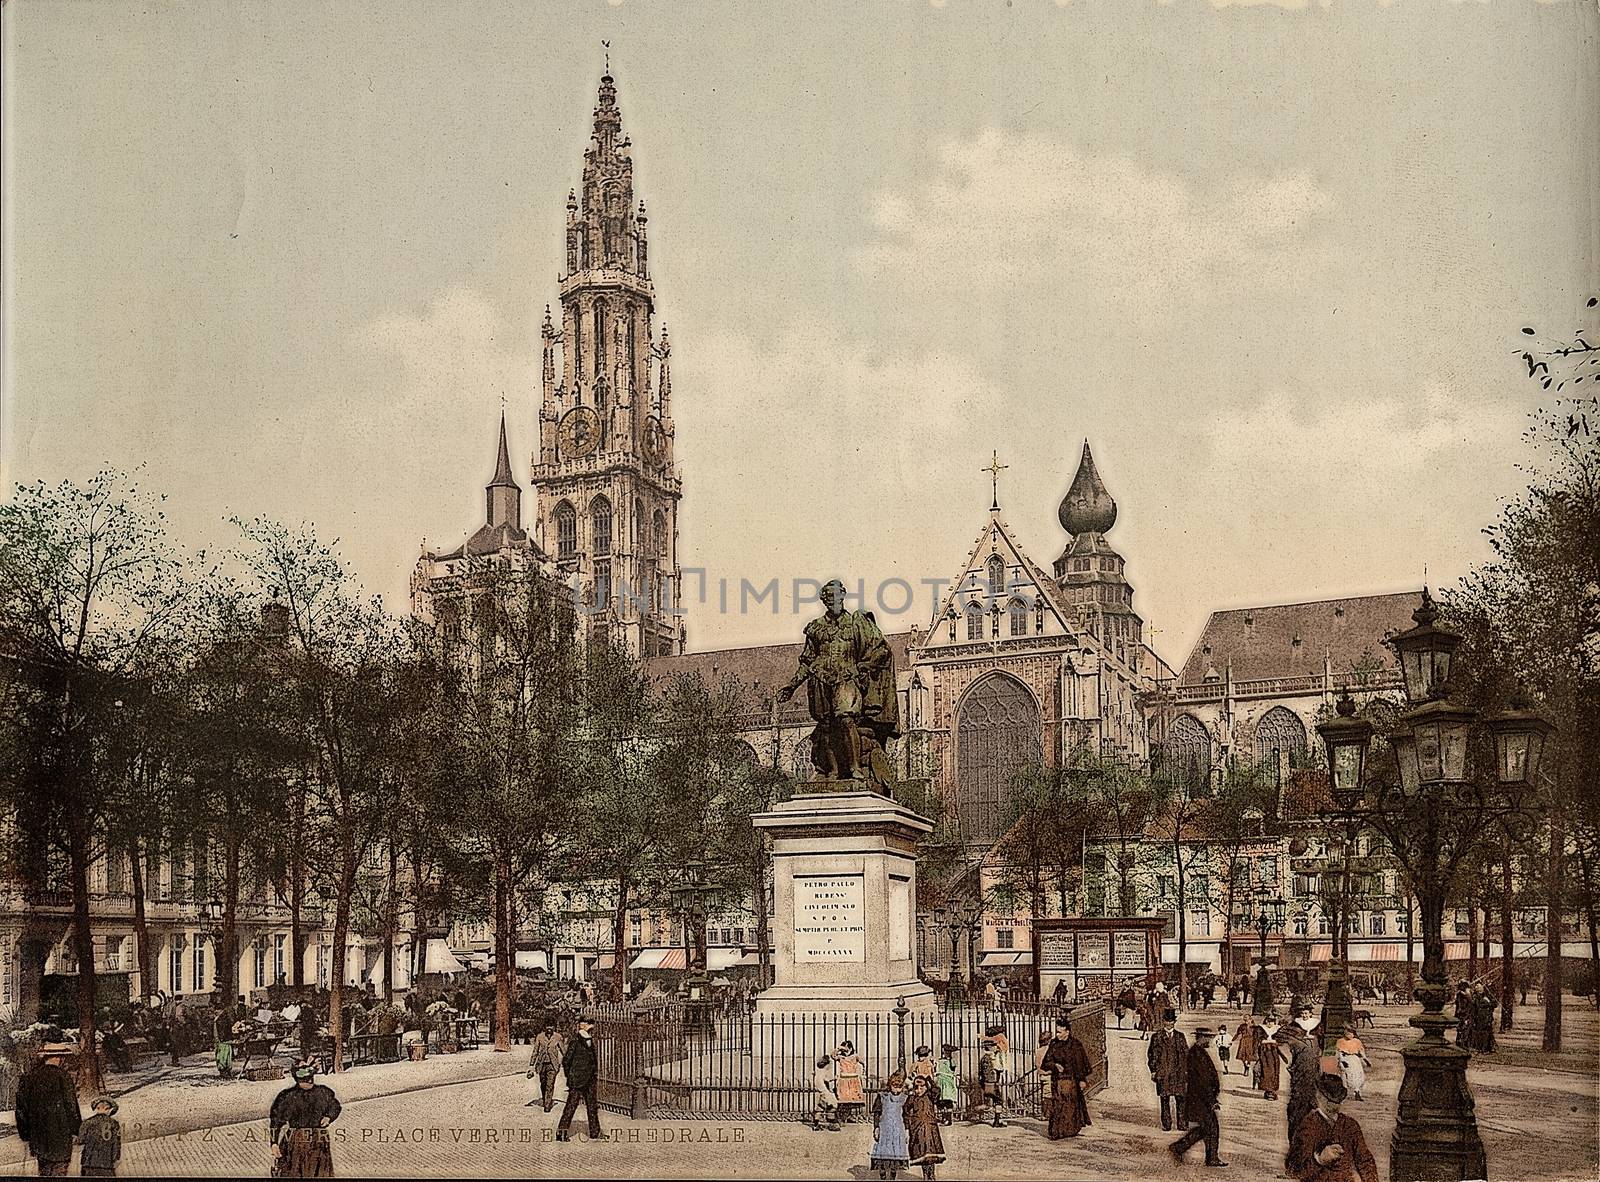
(566, 530)
(1187, 754)
(998, 734)
(997, 575)
(974, 620)
(1280, 743)
(600, 523)
(1019, 618)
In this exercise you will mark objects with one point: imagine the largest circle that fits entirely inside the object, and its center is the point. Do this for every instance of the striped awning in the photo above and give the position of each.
(658, 958)
(1005, 959)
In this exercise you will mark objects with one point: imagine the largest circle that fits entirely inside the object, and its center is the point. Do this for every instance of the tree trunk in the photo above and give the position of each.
(1472, 939)
(1553, 925)
(228, 953)
(618, 952)
(1586, 865)
(341, 930)
(1183, 928)
(144, 961)
(297, 934)
(763, 932)
(1411, 940)
(89, 1082)
(505, 952)
(419, 926)
(1508, 963)
(391, 922)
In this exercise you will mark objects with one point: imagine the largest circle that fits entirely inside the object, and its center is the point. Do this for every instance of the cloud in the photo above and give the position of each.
(1002, 205)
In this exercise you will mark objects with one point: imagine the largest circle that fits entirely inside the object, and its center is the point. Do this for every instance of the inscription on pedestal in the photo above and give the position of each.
(830, 923)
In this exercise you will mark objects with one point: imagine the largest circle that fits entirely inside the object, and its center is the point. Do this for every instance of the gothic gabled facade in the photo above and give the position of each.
(605, 476)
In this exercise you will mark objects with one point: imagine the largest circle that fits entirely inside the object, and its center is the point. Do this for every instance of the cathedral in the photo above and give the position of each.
(1018, 666)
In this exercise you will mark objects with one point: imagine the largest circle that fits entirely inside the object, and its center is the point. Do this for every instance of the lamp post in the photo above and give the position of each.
(955, 989)
(1269, 917)
(972, 913)
(1346, 738)
(697, 983)
(1436, 1132)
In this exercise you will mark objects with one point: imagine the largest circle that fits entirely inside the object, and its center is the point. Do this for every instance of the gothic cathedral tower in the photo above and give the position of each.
(605, 480)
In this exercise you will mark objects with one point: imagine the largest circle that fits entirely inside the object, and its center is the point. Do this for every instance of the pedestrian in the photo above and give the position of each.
(944, 1075)
(922, 1064)
(1482, 1020)
(1353, 1062)
(298, 1126)
(1244, 1049)
(549, 1048)
(1270, 1058)
(989, 1084)
(581, 1066)
(47, 1112)
(1305, 1068)
(1329, 1146)
(1002, 1051)
(1059, 996)
(848, 1074)
(1224, 1046)
(924, 1143)
(101, 1138)
(1046, 1092)
(1167, 1058)
(891, 1150)
(827, 1112)
(1067, 1063)
(1201, 1102)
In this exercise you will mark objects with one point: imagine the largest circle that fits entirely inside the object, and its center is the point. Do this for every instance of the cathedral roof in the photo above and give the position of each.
(1290, 639)
(1087, 507)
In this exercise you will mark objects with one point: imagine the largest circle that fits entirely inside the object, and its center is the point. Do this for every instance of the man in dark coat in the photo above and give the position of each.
(1305, 1068)
(48, 1117)
(298, 1125)
(1329, 1146)
(1200, 1102)
(1066, 1062)
(581, 1066)
(1166, 1057)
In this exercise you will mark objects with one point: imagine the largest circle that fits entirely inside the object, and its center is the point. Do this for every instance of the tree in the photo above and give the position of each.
(1120, 802)
(510, 689)
(339, 660)
(88, 586)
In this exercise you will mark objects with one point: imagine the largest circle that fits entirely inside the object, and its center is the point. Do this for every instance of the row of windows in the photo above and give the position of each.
(1016, 613)
(601, 516)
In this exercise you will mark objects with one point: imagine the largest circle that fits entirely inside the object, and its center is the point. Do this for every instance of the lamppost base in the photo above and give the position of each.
(955, 996)
(1338, 1010)
(1261, 998)
(1436, 1130)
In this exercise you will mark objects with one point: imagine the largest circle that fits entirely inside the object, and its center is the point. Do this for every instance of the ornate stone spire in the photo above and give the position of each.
(1087, 508)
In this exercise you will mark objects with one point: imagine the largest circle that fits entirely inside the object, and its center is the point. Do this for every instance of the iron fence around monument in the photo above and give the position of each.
(675, 1062)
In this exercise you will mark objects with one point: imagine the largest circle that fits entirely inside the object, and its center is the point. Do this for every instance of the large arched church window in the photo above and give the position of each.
(659, 532)
(566, 530)
(1280, 743)
(998, 734)
(974, 620)
(600, 524)
(1019, 617)
(1187, 754)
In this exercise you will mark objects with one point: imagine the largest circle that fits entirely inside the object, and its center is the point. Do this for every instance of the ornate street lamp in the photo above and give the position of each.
(1269, 910)
(972, 914)
(1434, 818)
(690, 903)
(950, 917)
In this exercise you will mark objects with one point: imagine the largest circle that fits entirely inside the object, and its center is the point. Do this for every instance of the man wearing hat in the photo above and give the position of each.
(298, 1123)
(1305, 1065)
(47, 1111)
(1200, 1102)
(1067, 1064)
(101, 1138)
(581, 1066)
(1329, 1146)
(1166, 1058)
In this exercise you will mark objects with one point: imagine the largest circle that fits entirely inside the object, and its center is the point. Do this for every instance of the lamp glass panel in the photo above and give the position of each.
(1513, 759)
(1441, 666)
(1347, 769)
(1430, 764)
(1405, 753)
(1535, 753)
(1453, 750)
(1413, 668)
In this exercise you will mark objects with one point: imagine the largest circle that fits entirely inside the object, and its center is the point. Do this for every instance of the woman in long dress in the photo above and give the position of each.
(1244, 1047)
(922, 1127)
(1067, 1063)
(1271, 1059)
(1353, 1062)
(891, 1147)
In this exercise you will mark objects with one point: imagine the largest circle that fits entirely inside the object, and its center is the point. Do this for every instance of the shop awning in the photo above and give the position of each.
(1394, 952)
(658, 958)
(439, 959)
(1321, 952)
(718, 959)
(605, 961)
(749, 960)
(1007, 959)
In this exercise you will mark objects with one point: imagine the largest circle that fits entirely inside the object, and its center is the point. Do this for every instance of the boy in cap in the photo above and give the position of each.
(1200, 1102)
(989, 1082)
(101, 1138)
(1329, 1146)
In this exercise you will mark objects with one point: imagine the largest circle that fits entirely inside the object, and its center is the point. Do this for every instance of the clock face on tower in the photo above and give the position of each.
(580, 433)
(655, 443)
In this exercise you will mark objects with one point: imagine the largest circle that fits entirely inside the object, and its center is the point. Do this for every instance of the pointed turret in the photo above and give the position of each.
(503, 494)
(1087, 508)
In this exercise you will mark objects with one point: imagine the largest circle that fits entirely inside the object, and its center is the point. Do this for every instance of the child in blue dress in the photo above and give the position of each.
(891, 1145)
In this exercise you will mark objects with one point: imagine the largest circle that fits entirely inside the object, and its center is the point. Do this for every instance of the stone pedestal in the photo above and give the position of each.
(845, 902)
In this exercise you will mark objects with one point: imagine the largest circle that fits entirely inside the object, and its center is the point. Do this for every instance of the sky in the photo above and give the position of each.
(1270, 257)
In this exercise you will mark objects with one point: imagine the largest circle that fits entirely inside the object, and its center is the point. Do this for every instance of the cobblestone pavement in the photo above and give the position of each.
(1537, 1123)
